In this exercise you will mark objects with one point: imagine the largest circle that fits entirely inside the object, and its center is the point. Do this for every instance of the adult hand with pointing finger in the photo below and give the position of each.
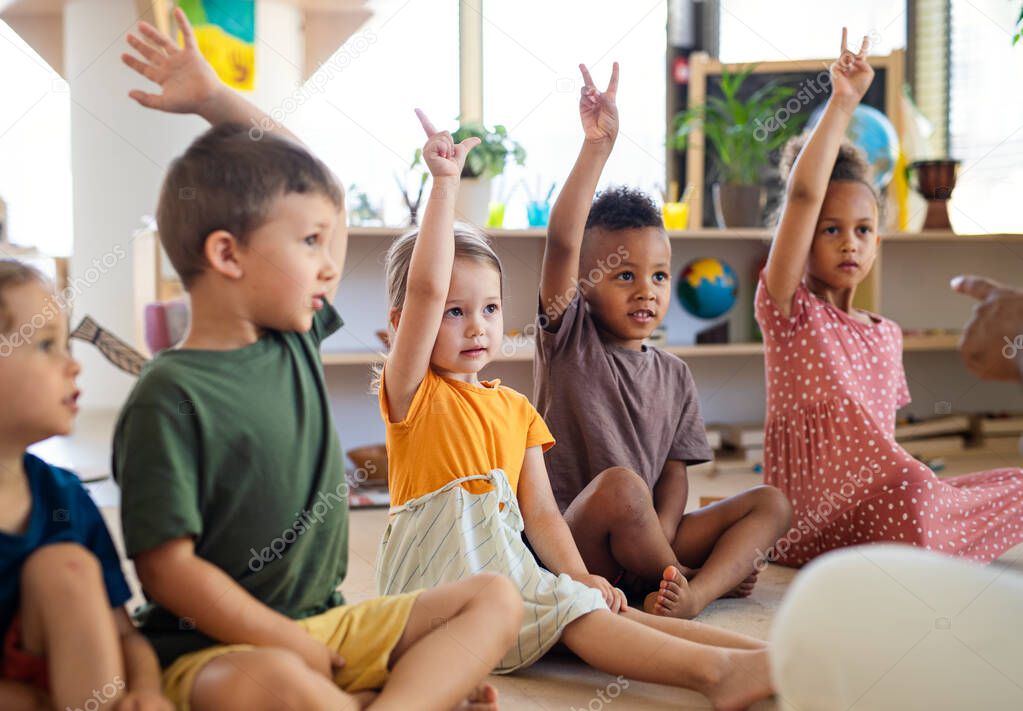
(992, 342)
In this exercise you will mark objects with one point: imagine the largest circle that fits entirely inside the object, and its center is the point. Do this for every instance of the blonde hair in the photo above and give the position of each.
(14, 273)
(470, 243)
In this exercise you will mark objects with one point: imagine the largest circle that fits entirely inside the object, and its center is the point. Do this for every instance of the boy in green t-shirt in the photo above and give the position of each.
(234, 501)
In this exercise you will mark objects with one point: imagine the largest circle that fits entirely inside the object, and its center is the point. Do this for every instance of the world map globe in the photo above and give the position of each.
(872, 132)
(707, 288)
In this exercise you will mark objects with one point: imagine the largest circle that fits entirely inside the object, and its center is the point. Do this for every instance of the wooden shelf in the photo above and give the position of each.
(933, 342)
(943, 236)
(924, 343)
(752, 234)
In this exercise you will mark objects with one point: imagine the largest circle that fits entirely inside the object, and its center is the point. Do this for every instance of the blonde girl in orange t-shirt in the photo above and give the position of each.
(468, 476)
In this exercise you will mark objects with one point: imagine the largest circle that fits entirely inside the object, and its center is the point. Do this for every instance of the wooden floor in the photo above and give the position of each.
(566, 683)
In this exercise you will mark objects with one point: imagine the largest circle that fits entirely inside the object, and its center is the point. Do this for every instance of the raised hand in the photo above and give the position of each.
(597, 110)
(186, 79)
(851, 74)
(442, 155)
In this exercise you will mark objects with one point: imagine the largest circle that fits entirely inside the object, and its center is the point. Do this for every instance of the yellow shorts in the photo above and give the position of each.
(364, 635)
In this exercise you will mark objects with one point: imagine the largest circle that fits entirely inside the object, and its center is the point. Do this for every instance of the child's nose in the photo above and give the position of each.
(329, 271)
(645, 291)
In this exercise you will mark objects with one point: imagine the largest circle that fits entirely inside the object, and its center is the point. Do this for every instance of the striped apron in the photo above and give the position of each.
(450, 534)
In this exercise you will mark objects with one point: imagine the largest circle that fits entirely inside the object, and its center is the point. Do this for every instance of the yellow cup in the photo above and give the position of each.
(676, 215)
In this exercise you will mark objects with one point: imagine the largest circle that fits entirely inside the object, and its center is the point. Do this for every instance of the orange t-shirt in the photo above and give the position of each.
(454, 429)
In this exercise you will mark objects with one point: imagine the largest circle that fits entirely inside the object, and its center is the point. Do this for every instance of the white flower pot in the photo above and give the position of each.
(473, 204)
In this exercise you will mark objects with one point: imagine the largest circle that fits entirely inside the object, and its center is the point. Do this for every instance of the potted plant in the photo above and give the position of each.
(744, 134)
(484, 162)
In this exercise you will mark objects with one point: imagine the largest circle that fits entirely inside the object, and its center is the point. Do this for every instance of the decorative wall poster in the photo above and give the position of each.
(226, 32)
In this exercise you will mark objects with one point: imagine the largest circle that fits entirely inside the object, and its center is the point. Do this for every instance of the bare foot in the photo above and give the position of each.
(482, 698)
(673, 599)
(746, 678)
(745, 588)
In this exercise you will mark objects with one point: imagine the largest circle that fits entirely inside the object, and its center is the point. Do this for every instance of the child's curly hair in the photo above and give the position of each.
(851, 165)
(622, 208)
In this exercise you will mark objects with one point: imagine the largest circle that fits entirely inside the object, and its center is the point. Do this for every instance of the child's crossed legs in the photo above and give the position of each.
(616, 528)
(65, 616)
(454, 636)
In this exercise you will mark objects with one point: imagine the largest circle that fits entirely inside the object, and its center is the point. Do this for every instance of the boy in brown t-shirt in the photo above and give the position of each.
(626, 415)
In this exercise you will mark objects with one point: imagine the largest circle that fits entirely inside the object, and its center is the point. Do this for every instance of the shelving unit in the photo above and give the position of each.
(916, 268)
(938, 342)
(913, 343)
(165, 286)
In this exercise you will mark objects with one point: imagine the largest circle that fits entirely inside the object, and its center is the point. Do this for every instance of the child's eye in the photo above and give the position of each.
(661, 276)
(454, 312)
(311, 240)
(865, 229)
(490, 309)
(830, 230)
(46, 345)
(625, 276)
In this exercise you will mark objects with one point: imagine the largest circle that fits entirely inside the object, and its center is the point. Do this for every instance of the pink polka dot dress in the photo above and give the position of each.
(833, 386)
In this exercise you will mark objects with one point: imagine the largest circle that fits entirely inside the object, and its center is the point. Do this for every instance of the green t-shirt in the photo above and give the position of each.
(237, 449)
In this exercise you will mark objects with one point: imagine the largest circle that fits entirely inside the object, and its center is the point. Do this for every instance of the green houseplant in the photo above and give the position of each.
(484, 162)
(744, 132)
(490, 157)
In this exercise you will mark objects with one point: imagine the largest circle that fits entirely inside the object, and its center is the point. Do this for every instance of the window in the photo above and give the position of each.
(361, 121)
(986, 116)
(35, 149)
(531, 82)
(757, 31)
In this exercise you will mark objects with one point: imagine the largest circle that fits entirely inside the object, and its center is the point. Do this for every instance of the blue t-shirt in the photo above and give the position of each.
(62, 512)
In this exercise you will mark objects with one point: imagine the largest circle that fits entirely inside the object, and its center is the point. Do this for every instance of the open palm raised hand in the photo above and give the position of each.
(597, 110)
(186, 79)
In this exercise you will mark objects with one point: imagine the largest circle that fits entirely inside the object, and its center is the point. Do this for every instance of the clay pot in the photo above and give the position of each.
(739, 205)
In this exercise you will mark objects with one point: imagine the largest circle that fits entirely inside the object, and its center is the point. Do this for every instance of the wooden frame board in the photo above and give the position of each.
(703, 68)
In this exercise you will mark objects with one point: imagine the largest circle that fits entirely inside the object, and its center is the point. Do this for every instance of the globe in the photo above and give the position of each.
(872, 132)
(707, 288)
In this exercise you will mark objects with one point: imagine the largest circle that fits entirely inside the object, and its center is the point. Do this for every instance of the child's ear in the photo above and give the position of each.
(221, 250)
(393, 316)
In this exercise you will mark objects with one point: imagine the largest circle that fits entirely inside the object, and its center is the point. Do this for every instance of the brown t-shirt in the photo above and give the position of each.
(609, 406)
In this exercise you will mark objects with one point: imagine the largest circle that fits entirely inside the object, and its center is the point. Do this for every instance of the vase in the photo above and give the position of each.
(739, 205)
(935, 180)
(473, 204)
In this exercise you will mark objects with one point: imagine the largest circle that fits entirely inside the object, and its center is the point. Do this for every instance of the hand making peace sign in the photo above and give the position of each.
(443, 156)
(598, 111)
(851, 74)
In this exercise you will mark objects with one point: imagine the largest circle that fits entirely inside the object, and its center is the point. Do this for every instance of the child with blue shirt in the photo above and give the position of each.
(68, 642)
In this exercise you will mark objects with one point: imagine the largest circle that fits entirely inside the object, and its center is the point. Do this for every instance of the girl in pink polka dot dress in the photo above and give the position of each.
(835, 376)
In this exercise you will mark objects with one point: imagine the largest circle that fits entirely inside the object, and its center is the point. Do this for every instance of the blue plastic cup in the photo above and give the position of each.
(538, 213)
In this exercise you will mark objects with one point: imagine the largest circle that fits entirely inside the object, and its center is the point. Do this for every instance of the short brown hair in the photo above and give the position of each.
(14, 273)
(229, 180)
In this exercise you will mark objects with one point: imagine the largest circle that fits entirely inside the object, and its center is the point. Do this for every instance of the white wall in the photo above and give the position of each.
(120, 153)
